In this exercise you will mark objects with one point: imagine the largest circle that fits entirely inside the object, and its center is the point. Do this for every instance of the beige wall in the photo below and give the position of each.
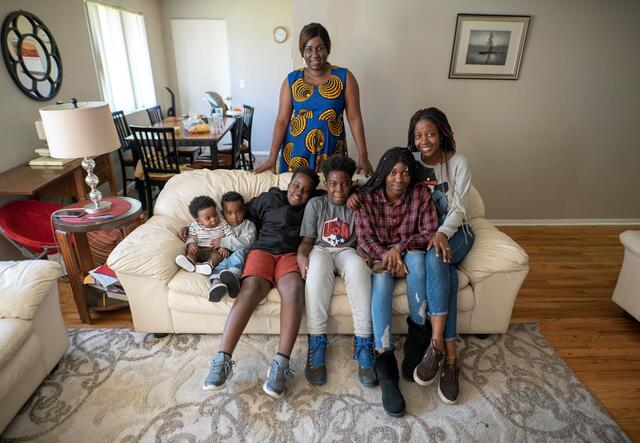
(253, 54)
(66, 21)
(559, 143)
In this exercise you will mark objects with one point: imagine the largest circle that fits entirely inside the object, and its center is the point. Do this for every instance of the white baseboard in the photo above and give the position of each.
(567, 222)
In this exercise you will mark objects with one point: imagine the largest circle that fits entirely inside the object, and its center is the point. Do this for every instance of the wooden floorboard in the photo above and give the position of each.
(573, 271)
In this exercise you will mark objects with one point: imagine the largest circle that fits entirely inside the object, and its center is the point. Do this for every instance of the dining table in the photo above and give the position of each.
(186, 138)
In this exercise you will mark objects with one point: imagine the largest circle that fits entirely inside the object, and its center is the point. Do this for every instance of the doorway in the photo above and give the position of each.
(202, 62)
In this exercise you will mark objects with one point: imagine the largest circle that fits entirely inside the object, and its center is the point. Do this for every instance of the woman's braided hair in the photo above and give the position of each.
(447, 142)
(389, 159)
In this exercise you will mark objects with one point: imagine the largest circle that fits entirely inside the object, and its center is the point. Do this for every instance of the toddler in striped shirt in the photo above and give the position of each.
(203, 251)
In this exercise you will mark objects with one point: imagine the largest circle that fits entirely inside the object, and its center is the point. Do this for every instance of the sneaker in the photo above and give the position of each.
(426, 371)
(185, 263)
(216, 290)
(448, 389)
(219, 372)
(277, 377)
(203, 268)
(231, 280)
(363, 352)
(315, 371)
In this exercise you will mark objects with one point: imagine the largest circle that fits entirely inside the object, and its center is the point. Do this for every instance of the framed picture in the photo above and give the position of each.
(488, 46)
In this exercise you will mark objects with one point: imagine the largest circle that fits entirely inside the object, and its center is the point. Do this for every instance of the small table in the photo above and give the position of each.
(185, 138)
(74, 247)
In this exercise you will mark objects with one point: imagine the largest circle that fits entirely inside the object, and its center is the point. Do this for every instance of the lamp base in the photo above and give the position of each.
(101, 206)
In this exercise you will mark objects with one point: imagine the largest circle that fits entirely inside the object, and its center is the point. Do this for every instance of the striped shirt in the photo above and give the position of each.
(409, 224)
(203, 237)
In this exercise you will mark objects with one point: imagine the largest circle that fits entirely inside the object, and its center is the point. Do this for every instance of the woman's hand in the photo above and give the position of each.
(303, 264)
(353, 202)
(183, 233)
(440, 242)
(364, 166)
(269, 165)
(392, 260)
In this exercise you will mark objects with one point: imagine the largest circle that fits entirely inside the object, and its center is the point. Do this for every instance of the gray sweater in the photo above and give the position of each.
(453, 178)
(244, 236)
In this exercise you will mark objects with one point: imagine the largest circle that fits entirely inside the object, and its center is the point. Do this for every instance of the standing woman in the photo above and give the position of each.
(310, 127)
(395, 222)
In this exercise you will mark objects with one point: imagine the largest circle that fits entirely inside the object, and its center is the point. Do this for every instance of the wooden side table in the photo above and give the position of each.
(74, 247)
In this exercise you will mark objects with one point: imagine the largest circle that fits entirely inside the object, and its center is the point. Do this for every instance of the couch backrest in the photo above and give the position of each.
(181, 189)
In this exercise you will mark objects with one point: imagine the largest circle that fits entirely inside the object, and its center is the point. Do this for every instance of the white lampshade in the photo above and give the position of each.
(85, 131)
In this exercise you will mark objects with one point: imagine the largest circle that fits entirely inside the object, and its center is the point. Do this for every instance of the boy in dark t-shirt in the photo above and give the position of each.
(271, 262)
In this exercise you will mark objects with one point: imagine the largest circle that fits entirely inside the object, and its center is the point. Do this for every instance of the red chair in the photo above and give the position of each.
(27, 226)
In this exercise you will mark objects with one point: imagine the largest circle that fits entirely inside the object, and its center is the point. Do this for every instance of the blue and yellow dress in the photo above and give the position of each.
(316, 129)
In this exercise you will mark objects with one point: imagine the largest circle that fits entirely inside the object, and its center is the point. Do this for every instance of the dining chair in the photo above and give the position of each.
(245, 146)
(159, 158)
(127, 156)
(155, 114)
(227, 158)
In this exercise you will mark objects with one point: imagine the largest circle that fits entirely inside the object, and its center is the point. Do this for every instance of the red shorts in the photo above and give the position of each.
(271, 267)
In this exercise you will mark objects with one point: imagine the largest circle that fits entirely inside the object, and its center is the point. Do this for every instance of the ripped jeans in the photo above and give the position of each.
(432, 284)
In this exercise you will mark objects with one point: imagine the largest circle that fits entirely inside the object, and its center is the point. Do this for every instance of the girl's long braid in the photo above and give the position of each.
(389, 159)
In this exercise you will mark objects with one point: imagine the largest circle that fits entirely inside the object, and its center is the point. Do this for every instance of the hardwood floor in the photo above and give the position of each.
(573, 271)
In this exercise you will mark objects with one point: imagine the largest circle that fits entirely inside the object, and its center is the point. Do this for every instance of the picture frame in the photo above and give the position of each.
(488, 46)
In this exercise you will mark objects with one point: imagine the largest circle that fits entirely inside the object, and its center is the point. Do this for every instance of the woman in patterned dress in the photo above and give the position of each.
(310, 125)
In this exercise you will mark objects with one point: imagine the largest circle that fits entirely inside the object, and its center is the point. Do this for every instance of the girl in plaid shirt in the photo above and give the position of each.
(396, 220)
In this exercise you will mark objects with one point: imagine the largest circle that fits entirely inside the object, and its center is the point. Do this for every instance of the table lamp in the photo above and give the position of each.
(81, 129)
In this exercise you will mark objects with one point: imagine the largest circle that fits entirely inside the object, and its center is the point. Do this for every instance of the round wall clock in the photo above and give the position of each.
(279, 34)
(31, 55)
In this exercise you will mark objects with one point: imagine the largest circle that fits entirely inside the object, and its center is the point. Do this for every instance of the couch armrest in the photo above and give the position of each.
(150, 250)
(492, 252)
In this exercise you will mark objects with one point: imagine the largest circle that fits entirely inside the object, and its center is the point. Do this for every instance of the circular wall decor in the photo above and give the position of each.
(31, 55)
(279, 34)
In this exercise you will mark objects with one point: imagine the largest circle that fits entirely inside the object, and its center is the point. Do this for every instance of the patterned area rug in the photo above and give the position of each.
(115, 385)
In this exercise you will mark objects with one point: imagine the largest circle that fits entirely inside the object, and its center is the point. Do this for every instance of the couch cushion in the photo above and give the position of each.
(492, 252)
(13, 333)
(181, 189)
(188, 293)
(23, 285)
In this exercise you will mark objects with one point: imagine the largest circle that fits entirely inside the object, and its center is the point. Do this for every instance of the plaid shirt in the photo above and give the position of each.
(408, 224)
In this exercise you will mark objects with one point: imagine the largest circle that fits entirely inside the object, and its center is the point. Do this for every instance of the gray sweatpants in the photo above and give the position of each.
(324, 263)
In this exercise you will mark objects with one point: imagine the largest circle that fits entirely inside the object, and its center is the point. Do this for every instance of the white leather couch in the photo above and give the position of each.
(164, 298)
(32, 333)
(627, 292)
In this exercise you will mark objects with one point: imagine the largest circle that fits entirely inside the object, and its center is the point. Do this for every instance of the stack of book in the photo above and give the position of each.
(104, 279)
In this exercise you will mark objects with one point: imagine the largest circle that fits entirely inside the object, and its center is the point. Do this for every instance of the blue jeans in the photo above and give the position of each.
(433, 284)
(234, 263)
(381, 293)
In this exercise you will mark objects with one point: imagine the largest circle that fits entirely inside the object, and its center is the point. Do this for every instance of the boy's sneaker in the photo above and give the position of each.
(426, 371)
(231, 280)
(448, 389)
(185, 263)
(203, 268)
(277, 377)
(315, 371)
(363, 352)
(219, 372)
(216, 290)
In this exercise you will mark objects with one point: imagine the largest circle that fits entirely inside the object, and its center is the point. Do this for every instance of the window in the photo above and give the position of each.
(121, 56)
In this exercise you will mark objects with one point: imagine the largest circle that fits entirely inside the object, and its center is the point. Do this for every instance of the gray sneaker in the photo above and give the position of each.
(231, 280)
(219, 372)
(277, 378)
